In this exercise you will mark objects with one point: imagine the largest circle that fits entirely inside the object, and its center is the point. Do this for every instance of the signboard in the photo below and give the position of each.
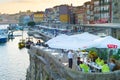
(112, 46)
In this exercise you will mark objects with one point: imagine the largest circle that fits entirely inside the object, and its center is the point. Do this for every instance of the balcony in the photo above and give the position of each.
(104, 11)
(105, 3)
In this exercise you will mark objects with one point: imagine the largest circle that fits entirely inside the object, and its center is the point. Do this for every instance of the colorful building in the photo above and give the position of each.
(87, 6)
(102, 11)
(79, 14)
(38, 17)
(64, 13)
(115, 11)
(47, 14)
(94, 11)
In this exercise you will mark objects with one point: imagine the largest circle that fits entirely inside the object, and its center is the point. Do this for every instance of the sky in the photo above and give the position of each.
(14, 6)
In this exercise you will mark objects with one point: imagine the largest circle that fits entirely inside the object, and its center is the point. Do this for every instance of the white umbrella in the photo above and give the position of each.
(85, 36)
(107, 42)
(69, 45)
(66, 42)
(58, 38)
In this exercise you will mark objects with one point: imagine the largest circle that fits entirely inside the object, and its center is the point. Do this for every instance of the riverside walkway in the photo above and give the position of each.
(52, 64)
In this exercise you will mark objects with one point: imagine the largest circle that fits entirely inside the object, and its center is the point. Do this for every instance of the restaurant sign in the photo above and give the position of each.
(112, 46)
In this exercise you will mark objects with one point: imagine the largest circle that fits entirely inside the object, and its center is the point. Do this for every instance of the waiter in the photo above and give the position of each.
(70, 58)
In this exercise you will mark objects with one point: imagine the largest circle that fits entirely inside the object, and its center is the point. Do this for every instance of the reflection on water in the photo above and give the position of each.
(13, 62)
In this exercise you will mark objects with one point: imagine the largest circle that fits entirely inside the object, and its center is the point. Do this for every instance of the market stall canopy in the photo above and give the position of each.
(107, 42)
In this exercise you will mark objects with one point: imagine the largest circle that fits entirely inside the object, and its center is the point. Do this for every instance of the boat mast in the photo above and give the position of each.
(22, 32)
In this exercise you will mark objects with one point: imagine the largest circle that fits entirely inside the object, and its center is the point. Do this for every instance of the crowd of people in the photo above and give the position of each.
(83, 65)
(103, 66)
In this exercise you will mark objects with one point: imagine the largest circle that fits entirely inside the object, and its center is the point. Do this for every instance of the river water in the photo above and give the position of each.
(13, 61)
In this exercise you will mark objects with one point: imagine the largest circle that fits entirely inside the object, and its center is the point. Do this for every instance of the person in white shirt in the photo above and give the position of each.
(70, 58)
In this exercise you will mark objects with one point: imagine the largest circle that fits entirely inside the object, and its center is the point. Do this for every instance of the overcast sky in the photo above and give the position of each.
(14, 6)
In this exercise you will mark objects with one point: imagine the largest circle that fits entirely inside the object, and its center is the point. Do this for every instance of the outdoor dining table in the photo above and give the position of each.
(96, 67)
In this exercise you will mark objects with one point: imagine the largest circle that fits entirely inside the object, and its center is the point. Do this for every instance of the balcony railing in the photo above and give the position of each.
(104, 11)
(105, 3)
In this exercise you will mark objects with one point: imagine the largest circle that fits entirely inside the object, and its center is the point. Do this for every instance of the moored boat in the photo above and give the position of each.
(3, 33)
(3, 39)
(21, 44)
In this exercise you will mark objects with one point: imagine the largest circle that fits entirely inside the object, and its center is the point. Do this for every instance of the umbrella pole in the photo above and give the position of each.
(108, 56)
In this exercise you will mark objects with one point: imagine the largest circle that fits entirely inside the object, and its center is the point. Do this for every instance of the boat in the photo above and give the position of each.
(10, 35)
(21, 44)
(3, 33)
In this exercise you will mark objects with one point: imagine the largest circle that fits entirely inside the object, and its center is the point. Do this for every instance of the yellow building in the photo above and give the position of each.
(64, 18)
(38, 17)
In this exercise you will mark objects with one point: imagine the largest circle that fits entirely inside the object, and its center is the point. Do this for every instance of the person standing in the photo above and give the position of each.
(70, 58)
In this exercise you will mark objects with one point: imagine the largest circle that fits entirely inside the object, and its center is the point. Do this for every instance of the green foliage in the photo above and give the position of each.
(92, 55)
(116, 56)
(32, 23)
(103, 53)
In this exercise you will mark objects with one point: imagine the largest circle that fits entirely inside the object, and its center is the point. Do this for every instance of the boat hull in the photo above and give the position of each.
(3, 40)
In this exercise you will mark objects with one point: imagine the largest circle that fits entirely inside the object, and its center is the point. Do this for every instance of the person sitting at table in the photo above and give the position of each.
(99, 61)
(79, 61)
(105, 67)
(112, 64)
(84, 67)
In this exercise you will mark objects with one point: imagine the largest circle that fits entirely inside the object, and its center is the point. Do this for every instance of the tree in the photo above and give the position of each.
(31, 24)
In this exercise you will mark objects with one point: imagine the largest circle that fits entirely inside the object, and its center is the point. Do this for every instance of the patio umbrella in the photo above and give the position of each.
(67, 42)
(58, 38)
(85, 36)
(107, 42)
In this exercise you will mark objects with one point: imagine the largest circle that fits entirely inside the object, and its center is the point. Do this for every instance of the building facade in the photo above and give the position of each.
(115, 11)
(38, 17)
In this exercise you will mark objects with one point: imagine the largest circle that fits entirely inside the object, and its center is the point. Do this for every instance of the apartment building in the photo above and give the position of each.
(38, 17)
(115, 11)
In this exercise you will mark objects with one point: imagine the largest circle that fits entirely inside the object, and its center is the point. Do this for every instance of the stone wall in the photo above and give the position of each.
(44, 66)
